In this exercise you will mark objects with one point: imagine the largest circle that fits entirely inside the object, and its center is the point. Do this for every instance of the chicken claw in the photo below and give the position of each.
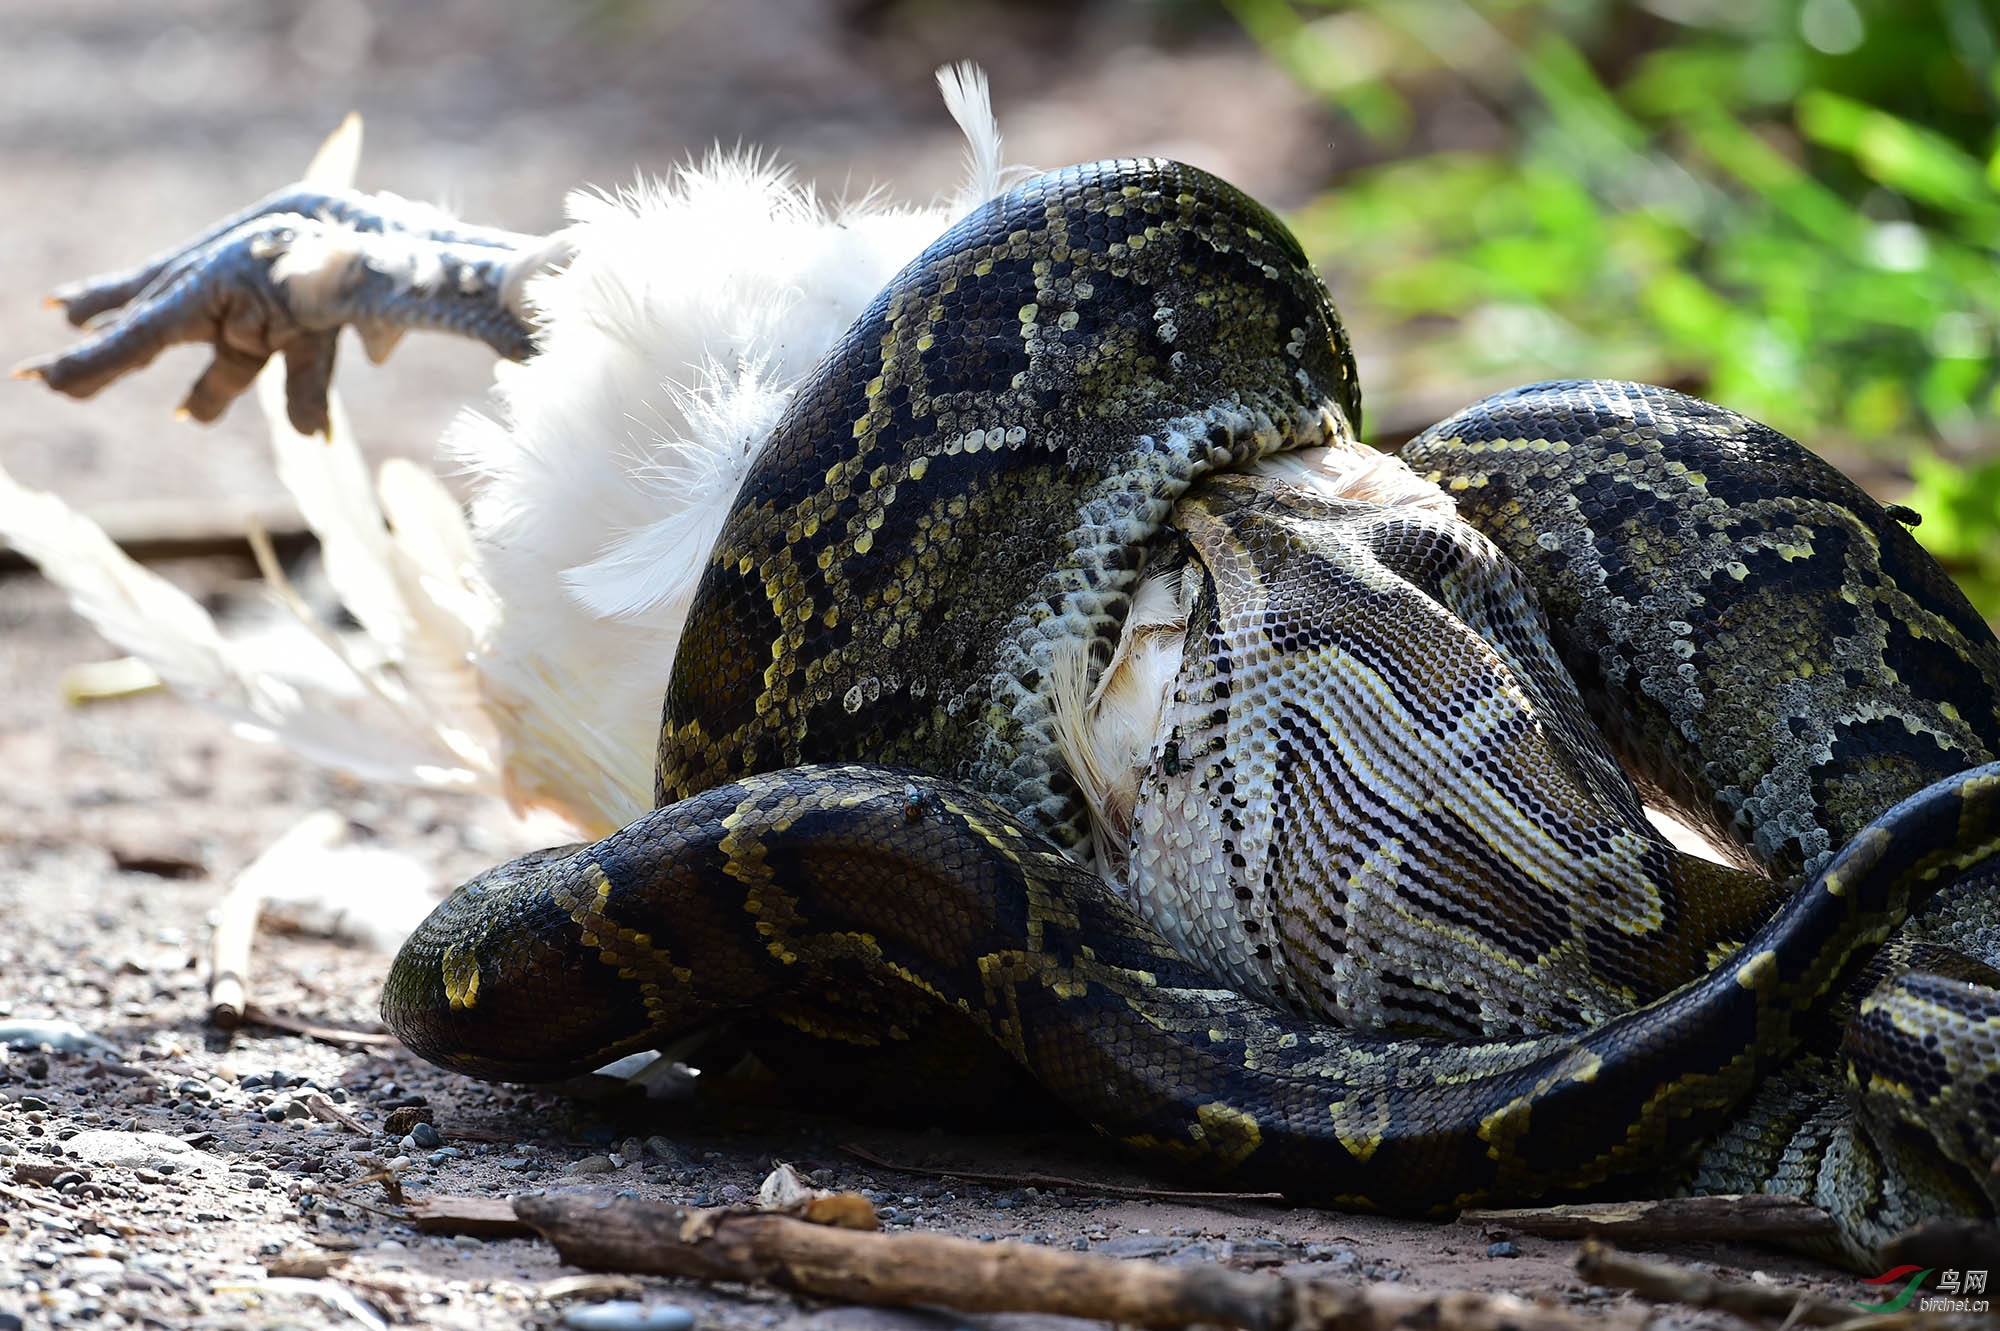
(283, 277)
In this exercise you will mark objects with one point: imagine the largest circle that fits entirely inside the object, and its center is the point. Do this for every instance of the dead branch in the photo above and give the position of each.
(236, 917)
(898, 1270)
(1665, 1282)
(589, 1288)
(326, 1111)
(256, 1015)
(306, 1263)
(1057, 1181)
(1725, 1216)
(478, 1217)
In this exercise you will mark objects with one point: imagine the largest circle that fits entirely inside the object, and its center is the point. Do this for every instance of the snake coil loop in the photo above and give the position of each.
(1368, 908)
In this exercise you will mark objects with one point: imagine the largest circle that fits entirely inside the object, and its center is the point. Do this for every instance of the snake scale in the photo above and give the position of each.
(1368, 908)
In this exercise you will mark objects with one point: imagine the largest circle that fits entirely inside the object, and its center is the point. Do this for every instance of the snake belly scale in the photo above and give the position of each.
(1380, 920)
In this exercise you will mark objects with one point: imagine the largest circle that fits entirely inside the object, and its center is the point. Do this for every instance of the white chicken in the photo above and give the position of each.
(515, 649)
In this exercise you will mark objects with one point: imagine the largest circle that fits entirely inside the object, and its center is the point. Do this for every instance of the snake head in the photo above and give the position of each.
(495, 983)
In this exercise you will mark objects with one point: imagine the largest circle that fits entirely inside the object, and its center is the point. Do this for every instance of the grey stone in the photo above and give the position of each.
(620, 1315)
(31, 1033)
(1137, 1245)
(143, 1150)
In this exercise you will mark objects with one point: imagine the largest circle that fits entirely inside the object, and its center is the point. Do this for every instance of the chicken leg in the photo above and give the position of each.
(283, 276)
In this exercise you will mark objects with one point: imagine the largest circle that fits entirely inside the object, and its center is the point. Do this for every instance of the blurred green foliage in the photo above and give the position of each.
(1789, 206)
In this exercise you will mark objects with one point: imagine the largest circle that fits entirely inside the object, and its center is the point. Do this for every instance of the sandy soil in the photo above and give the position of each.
(153, 1180)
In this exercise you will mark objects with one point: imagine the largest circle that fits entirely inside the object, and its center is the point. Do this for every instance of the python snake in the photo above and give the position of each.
(1365, 907)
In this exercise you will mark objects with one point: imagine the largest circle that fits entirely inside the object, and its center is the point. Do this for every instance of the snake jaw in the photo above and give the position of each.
(487, 985)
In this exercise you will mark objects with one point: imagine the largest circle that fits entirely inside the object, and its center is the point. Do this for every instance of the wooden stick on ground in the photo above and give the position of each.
(1668, 1283)
(253, 1015)
(898, 1270)
(236, 917)
(480, 1217)
(1724, 1216)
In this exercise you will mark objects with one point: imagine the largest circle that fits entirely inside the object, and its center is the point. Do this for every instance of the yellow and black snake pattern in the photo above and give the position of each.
(1377, 917)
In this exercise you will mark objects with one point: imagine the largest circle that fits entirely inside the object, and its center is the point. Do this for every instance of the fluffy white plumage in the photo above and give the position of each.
(525, 651)
(671, 345)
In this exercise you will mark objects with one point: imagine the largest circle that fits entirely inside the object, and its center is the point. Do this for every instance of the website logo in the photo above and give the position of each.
(1952, 1287)
(1915, 1276)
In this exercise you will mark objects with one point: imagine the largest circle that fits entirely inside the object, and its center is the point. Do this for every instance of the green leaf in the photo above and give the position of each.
(1909, 159)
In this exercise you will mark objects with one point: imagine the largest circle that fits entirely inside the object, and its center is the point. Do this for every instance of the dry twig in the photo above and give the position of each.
(1664, 1282)
(1725, 1216)
(236, 917)
(899, 1270)
(479, 1217)
(305, 1263)
(591, 1288)
(326, 1111)
(255, 1015)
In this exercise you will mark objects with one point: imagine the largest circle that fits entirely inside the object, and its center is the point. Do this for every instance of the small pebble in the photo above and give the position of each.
(426, 1137)
(1503, 1249)
(1138, 1245)
(590, 1164)
(100, 1269)
(32, 1103)
(624, 1316)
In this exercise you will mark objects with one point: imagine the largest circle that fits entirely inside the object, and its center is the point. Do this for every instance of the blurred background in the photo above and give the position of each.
(1789, 206)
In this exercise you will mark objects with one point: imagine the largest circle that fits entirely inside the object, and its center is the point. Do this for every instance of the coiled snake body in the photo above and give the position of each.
(1369, 909)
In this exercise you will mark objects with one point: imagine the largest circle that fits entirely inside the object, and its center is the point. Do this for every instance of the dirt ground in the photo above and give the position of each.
(154, 1178)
